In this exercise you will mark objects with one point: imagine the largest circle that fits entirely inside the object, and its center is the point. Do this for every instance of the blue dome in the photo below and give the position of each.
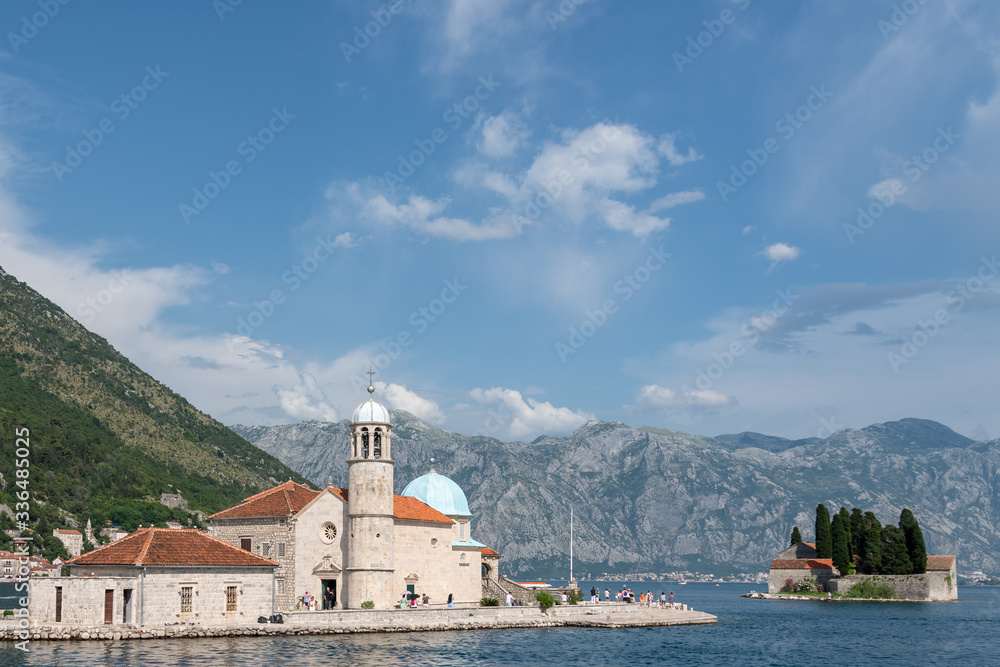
(440, 493)
(370, 411)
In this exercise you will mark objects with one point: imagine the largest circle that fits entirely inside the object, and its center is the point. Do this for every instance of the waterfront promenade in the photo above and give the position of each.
(608, 615)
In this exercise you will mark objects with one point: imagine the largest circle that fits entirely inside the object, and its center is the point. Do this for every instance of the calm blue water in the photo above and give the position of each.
(750, 632)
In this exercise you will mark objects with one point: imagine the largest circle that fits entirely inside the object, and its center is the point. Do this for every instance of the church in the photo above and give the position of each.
(346, 547)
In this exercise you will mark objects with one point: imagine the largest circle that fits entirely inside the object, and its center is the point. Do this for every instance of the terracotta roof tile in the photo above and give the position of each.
(802, 564)
(940, 562)
(486, 551)
(66, 531)
(171, 547)
(411, 509)
(283, 500)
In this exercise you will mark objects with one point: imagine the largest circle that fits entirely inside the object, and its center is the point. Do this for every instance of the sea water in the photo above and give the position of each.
(749, 632)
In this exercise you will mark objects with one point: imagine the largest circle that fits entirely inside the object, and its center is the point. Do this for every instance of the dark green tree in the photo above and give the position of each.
(824, 541)
(841, 544)
(857, 530)
(845, 520)
(871, 544)
(915, 547)
(796, 535)
(895, 559)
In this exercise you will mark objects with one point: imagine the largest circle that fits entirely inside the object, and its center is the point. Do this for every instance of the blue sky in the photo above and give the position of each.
(708, 216)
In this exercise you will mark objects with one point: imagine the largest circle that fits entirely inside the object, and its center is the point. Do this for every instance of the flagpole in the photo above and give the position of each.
(571, 546)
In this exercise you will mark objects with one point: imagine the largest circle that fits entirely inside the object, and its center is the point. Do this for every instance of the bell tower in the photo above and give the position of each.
(369, 505)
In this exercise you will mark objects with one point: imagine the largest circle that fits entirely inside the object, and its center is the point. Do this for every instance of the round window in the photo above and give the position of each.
(328, 532)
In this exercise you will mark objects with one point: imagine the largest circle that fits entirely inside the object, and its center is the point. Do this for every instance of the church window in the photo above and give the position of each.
(281, 586)
(378, 443)
(463, 560)
(281, 549)
(186, 599)
(364, 443)
(328, 532)
(230, 598)
(282, 522)
(434, 541)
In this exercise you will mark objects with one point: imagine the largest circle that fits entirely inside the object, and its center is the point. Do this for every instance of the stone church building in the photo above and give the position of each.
(363, 543)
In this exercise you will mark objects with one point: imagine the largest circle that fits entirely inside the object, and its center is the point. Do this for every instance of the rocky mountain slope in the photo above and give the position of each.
(653, 500)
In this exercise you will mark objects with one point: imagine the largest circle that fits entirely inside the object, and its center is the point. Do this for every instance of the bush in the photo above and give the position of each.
(488, 602)
(8, 612)
(869, 589)
(789, 584)
(545, 599)
(367, 604)
(575, 595)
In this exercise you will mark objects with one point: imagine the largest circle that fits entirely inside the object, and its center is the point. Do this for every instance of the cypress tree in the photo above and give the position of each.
(841, 544)
(796, 536)
(895, 560)
(915, 547)
(824, 541)
(845, 520)
(871, 544)
(857, 531)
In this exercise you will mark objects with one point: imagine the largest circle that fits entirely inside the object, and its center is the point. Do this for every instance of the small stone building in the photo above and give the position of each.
(158, 576)
(71, 539)
(797, 569)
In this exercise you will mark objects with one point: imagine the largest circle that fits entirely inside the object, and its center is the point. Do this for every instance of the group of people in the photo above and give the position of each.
(409, 600)
(308, 601)
(627, 595)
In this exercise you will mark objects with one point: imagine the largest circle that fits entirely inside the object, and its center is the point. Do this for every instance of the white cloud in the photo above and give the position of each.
(667, 147)
(422, 215)
(676, 199)
(657, 397)
(502, 135)
(305, 400)
(748, 229)
(529, 417)
(780, 252)
(399, 397)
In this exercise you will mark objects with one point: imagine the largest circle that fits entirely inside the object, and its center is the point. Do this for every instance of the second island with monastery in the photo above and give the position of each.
(292, 559)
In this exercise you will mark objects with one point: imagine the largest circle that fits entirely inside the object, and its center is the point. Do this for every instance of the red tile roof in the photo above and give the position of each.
(66, 531)
(171, 547)
(802, 564)
(486, 551)
(289, 498)
(283, 500)
(405, 507)
(810, 544)
(940, 562)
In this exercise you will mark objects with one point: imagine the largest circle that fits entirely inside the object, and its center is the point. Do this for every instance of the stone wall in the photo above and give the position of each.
(266, 535)
(932, 586)
(776, 578)
(426, 559)
(316, 557)
(156, 598)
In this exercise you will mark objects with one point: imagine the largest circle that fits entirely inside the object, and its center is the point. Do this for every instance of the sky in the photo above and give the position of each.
(714, 217)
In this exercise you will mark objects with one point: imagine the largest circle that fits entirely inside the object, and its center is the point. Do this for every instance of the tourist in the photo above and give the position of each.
(510, 600)
(565, 598)
(402, 600)
(312, 603)
(672, 600)
(607, 594)
(642, 598)
(663, 599)
(413, 600)
(618, 597)
(593, 594)
(649, 598)
(328, 598)
(426, 600)
(451, 601)
(305, 600)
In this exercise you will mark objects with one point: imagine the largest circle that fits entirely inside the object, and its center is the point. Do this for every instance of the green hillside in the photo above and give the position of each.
(106, 438)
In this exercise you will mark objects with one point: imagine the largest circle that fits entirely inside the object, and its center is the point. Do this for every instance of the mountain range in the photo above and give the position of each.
(654, 500)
